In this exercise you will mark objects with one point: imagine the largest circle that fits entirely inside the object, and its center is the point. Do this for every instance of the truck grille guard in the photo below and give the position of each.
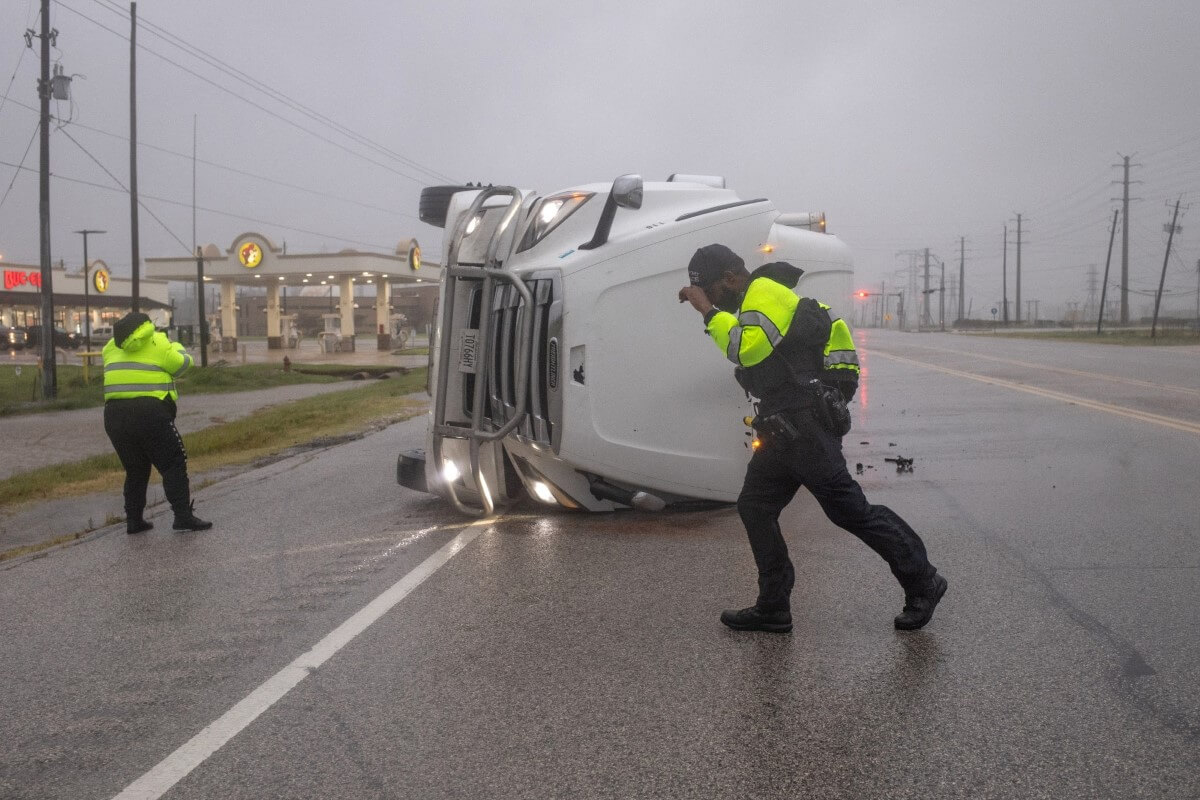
(498, 319)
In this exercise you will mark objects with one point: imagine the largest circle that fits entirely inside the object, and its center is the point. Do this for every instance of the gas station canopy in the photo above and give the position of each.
(254, 260)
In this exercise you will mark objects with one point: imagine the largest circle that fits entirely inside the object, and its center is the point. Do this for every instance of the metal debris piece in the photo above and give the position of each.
(902, 464)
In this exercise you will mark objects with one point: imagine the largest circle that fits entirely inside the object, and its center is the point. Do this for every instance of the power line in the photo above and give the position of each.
(20, 56)
(17, 171)
(271, 92)
(249, 102)
(218, 212)
(235, 170)
(118, 182)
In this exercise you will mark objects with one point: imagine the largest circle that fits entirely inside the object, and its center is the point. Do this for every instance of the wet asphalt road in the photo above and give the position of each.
(561, 655)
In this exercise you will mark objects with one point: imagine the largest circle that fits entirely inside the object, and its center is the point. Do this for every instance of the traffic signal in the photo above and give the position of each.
(860, 295)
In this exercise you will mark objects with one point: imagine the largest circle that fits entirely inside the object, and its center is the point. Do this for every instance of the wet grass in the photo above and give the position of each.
(20, 394)
(267, 432)
(1125, 336)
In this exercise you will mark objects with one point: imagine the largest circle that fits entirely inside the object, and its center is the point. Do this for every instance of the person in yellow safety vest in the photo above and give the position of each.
(779, 343)
(140, 368)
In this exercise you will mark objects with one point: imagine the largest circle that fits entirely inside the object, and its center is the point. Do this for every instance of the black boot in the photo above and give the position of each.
(137, 525)
(919, 605)
(755, 619)
(188, 521)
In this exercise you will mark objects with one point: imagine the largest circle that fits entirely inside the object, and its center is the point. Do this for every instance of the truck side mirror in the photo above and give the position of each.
(627, 191)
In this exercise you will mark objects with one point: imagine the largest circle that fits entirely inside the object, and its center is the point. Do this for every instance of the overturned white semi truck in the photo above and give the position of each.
(562, 365)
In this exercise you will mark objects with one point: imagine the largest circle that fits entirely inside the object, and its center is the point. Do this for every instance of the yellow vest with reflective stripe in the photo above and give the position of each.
(146, 365)
(761, 323)
(841, 358)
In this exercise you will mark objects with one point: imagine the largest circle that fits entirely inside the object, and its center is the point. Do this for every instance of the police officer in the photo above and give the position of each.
(785, 350)
(140, 368)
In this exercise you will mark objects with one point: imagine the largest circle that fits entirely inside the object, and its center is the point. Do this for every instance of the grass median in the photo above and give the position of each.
(1129, 337)
(264, 433)
(19, 392)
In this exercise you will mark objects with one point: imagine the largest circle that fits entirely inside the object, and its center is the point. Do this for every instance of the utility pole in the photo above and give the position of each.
(1005, 274)
(200, 307)
(1091, 288)
(1019, 269)
(1107, 261)
(1125, 198)
(926, 317)
(942, 299)
(1162, 280)
(962, 261)
(133, 190)
(49, 370)
(87, 309)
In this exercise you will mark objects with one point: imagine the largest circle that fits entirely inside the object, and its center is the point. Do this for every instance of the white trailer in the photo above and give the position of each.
(563, 365)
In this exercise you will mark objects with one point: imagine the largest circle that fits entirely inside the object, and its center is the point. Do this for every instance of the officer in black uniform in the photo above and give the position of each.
(778, 343)
(140, 368)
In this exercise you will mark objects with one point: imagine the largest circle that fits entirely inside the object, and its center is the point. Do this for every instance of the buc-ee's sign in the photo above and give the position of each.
(14, 279)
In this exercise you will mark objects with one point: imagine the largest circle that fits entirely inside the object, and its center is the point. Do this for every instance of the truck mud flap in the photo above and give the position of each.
(410, 470)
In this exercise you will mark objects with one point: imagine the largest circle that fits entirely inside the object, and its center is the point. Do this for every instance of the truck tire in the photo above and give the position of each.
(435, 201)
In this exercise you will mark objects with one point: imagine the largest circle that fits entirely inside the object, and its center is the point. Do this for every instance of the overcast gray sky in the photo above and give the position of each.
(909, 123)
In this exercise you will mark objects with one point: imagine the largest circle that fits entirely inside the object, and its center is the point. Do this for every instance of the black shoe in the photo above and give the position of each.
(919, 606)
(755, 619)
(137, 526)
(188, 521)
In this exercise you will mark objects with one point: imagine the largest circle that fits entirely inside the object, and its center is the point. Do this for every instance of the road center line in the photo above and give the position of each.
(1141, 416)
(1166, 387)
(195, 751)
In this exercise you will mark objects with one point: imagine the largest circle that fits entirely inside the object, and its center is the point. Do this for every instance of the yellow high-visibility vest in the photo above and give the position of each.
(146, 365)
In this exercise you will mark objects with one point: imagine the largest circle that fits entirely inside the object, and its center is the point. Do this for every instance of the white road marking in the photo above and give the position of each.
(1083, 373)
(195, 751)
(1130, 413)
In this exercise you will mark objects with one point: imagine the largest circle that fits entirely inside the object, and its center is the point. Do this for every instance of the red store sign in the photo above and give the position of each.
(14, 278)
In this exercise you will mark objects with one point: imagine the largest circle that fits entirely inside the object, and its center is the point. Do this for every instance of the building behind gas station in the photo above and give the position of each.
(105, 297)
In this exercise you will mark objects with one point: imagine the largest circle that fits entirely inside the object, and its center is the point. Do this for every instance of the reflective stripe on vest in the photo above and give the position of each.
(134, 365)
(187, 362)
(840, 357)
(733, 352)
(763, 321)
(139, 387)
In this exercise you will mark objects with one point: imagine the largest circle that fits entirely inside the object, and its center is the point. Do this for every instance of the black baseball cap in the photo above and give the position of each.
(712, 261)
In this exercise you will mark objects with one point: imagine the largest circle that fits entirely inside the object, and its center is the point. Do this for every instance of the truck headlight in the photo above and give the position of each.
(549, 213)
(450, 471)
(543, 493)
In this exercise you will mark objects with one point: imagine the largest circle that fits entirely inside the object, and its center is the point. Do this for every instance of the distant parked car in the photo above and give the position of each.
(12, 338)
(61, 337)
(101, 334)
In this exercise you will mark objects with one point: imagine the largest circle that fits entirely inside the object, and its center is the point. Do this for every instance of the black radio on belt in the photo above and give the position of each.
(775, 427)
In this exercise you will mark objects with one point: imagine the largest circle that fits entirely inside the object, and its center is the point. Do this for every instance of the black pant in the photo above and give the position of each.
(814, 460)
(142, 431)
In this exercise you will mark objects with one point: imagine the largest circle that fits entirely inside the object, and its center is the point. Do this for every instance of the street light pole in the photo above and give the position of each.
(87, 309)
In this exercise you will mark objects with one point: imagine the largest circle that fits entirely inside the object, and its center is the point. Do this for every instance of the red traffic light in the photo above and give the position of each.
(860, 294)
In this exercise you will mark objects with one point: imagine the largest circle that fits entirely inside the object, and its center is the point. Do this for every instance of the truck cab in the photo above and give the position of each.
(562, 364)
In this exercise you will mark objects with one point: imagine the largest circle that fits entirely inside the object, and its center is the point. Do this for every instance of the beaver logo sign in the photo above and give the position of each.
(250, 254)
(100, 279)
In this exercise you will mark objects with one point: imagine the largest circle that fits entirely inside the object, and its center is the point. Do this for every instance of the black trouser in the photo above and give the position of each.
(142, 431)
(814, 460)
